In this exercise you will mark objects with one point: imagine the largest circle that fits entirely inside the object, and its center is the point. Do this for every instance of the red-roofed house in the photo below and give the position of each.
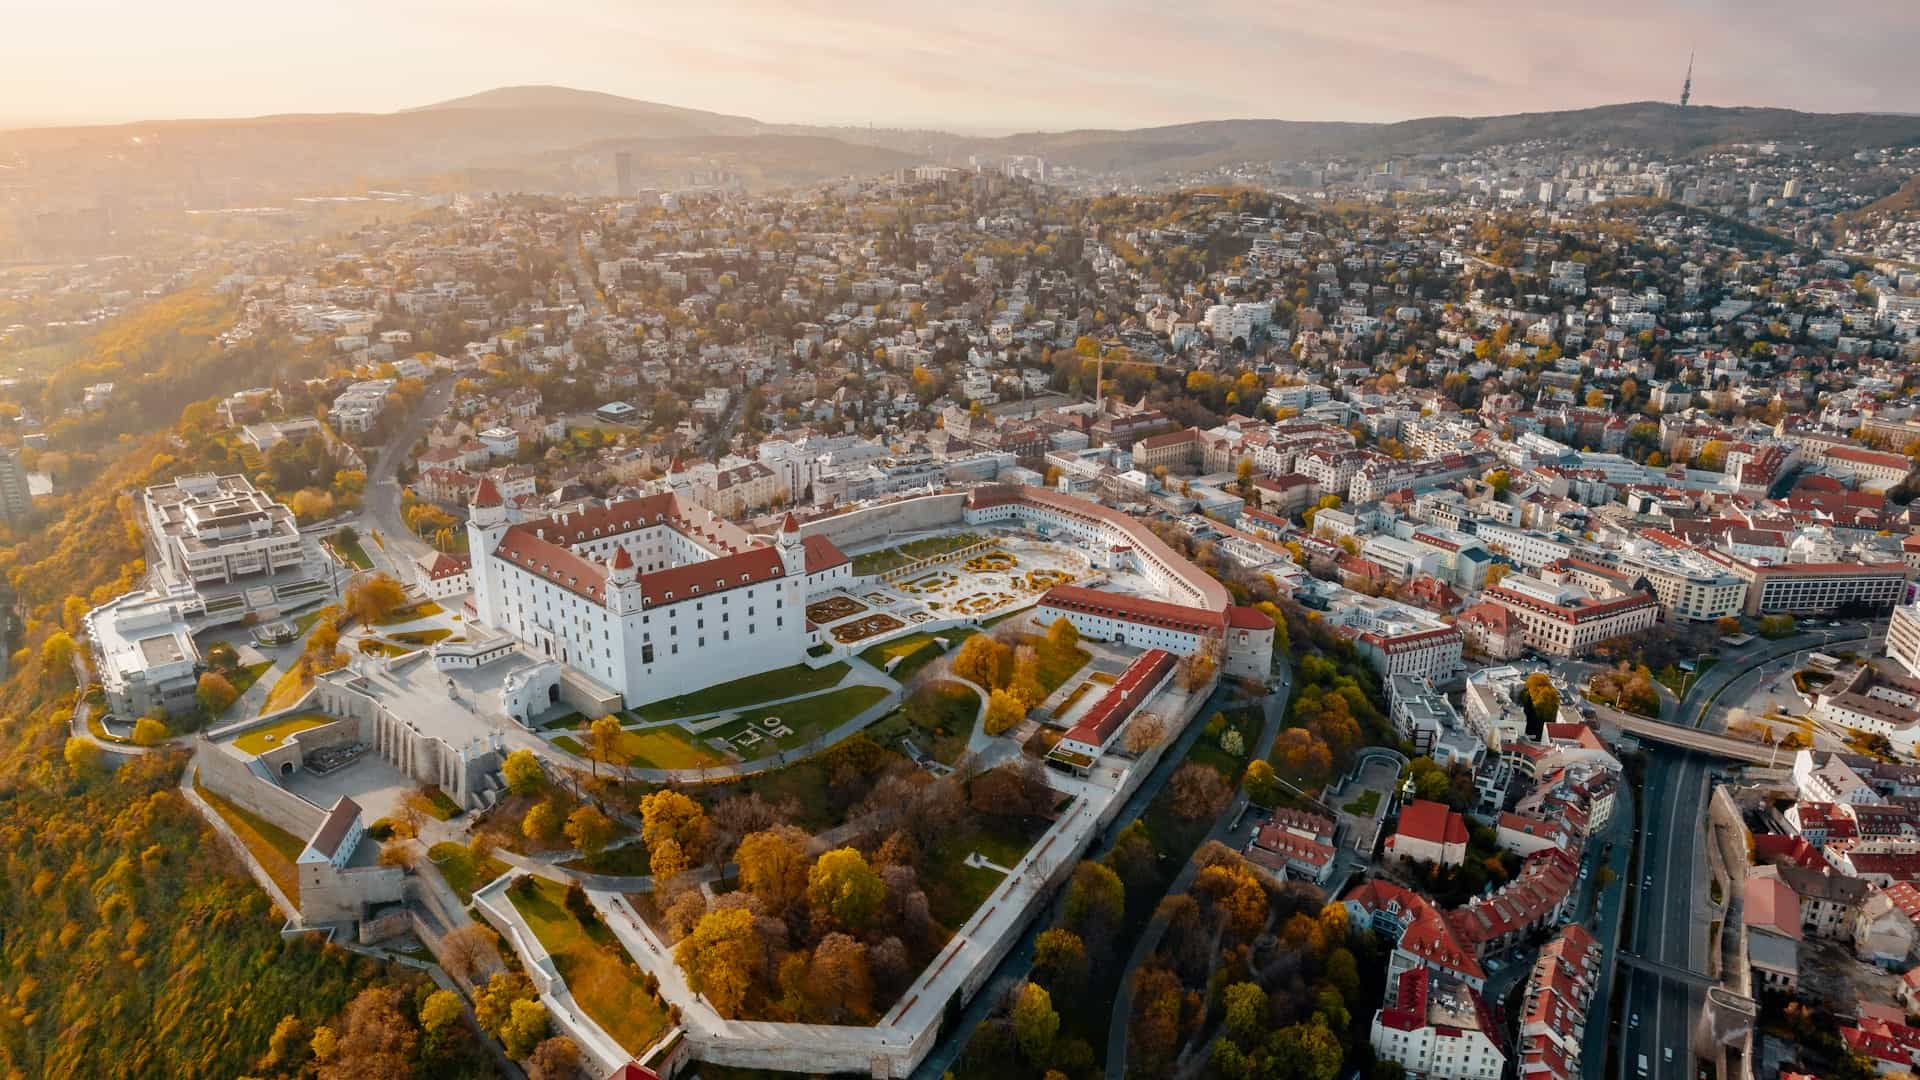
(1437, 1027)
(1430, 832)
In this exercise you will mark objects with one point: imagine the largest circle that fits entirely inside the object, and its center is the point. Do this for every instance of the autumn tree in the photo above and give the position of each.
(149, 731)
(1263, 786)
(1062, 638)
(1143, 733)
(1198, 792)
(375, 1038)
(773, 867)
(374, 597)
(556, 1058)
(842, 885)
(1246, 1012)
(839, 980)
(470, 951)
(982, 661)
(526, 1026)
(1060, 957)
(1035, 1023)
(83, 757)
(1303, 755)
(521, 769)
(589, 830)
(667, 814)
(1024, 685)
(1096, 901)
(1004, 710)
(722, 958)
(542, 822)
(603, 743)
(1543, 700)
(215, 693)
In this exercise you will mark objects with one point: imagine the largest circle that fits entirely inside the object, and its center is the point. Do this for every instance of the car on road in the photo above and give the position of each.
(1669, 1055)
(1648, 883)
(1636, 1020)
(1643, 1065)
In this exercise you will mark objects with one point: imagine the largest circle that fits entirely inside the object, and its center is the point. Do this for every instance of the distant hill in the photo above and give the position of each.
(559, 139)
(1647, 125)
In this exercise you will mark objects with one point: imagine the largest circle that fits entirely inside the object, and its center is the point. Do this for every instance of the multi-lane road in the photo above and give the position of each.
(1671, 908)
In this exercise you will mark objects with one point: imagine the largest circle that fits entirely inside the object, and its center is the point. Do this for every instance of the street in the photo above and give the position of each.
(1671, 913)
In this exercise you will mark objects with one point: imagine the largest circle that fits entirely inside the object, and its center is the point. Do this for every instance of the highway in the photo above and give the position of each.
(1671, 910)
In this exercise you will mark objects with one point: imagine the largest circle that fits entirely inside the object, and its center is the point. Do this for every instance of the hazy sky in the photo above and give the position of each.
(964, 64)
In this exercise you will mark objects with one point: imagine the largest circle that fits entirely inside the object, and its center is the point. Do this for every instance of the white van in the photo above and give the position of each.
(1643, 1064)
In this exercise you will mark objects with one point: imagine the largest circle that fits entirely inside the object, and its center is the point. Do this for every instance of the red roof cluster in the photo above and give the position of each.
(1119, 702)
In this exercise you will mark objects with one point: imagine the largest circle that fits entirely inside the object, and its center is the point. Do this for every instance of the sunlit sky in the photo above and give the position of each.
(973, 65)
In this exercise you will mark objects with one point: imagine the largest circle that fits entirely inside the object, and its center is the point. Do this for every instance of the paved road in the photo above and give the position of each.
(382, 506)
(1671, 913)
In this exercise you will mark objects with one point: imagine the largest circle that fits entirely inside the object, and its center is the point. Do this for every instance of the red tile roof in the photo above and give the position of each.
(1127, 693)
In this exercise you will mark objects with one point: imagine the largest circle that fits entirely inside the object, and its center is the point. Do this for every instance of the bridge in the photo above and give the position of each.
(1665, 970)
(1702, 742)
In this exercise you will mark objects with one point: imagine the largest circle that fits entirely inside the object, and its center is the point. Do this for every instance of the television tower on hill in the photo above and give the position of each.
(1686, 88)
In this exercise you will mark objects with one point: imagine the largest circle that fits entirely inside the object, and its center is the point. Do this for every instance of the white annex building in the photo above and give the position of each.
(650, 597)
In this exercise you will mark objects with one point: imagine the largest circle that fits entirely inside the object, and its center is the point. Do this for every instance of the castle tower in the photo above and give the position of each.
(793, 554)
(623, 583)
(486, 524)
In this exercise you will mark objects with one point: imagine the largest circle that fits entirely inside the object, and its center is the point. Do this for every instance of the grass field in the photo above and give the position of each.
(671, 747)
(422, 637)
(443, 806)
(268, 736)
(464, 872)
(955, 890)
(352, 552)
(938, 717)
(879, 562)
(806, 718)
(747, 692)
(603, 980)
(273, 847)
(919, 650)
(243, 678)
(1057, 669)
(1365, 804)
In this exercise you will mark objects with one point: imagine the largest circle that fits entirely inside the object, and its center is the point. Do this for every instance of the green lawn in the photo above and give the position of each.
(351, 551)
(938, 717)
(603, 979)
(1057, 669)
(444, 808)
(879, 562)
(1365, 805)
(243, 678)
(955, 890)
(747, 692)
(671, 747)
(806, 718)
(422, 637)
(919, 650)
(463, 872)
(274, 848)
(268, 736)
(631, 860)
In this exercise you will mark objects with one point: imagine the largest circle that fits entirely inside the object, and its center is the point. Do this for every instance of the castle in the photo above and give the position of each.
(649, 597)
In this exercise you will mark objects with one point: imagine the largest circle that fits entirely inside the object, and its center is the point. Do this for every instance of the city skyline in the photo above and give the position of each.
(1001, 68)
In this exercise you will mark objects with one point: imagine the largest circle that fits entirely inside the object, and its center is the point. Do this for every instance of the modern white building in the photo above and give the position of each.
(1903, 638)
(213, 529)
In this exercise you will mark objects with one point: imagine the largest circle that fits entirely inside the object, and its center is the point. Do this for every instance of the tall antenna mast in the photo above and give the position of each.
(1686, 88)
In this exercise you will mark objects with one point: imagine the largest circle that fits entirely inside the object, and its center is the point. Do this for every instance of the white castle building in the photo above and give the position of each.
(650, 597)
